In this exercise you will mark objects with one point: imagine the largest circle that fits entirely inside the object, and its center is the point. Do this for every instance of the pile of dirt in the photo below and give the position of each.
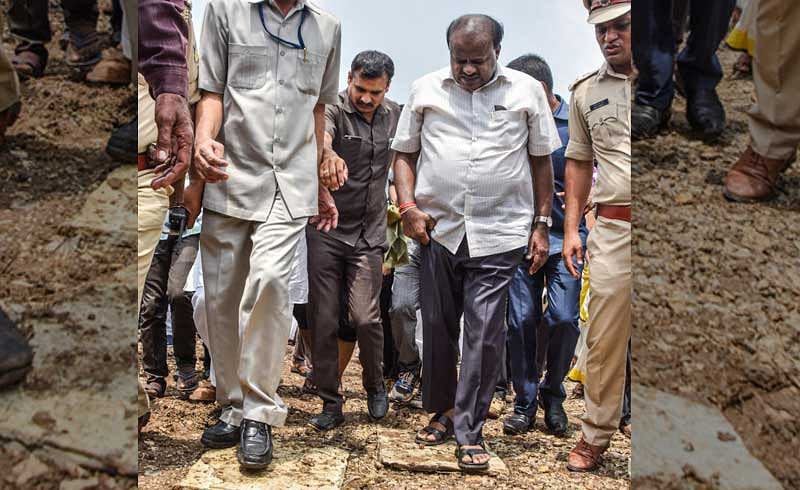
(715, 311)
(52, 160)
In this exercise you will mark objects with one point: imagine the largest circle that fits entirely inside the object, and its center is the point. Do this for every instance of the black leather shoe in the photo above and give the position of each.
(255, 450)
(517, 423)
(16, 356)
(326, 421)
(122, 144)
(555, 418)
(220, 435)
(646, 121)
(378, 405)
(706, 114)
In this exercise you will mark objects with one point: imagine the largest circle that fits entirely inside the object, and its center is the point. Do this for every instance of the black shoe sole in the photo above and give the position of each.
(253, 465)
(211, 444)
(515, 432)
(13, 376)
(319, 428)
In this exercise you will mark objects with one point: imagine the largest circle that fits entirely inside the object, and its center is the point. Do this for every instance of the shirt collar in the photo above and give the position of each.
(607, 70)
(562, 111)
(300, 5)
(499, 74)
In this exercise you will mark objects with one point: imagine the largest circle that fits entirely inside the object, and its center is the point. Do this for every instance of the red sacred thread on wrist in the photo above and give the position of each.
(407, 209)
(407, 205)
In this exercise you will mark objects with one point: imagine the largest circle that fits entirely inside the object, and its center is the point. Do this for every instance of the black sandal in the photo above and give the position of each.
(472, 452)
(439, 436)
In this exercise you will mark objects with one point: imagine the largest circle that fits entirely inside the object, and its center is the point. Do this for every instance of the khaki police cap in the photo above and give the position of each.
(604, 10)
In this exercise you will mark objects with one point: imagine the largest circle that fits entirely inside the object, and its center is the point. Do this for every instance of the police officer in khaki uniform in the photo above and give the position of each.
(599, 130)
(9, 91)
(775, 117)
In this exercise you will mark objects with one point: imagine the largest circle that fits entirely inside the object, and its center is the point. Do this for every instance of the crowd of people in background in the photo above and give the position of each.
(460, 214)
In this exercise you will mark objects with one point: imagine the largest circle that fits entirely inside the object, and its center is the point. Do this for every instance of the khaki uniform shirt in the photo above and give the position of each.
(269, 93)
(600, 129)
(364, 147)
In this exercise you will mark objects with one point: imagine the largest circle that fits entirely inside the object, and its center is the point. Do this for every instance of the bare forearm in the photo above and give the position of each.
(542, 171)
(209, 116)
(319, 129)
(578, 183)
(405, 176)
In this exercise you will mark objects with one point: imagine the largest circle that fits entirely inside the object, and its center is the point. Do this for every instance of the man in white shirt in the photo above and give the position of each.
(468, 140)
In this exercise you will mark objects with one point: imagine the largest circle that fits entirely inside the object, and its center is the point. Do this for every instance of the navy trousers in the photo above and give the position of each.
(654, 47)
(560, 321)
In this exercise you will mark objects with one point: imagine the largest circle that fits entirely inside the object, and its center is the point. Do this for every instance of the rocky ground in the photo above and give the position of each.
(170, 444)
(716, 316)
(63, 280)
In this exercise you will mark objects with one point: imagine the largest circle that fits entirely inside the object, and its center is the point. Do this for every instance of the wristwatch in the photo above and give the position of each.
(547, 220)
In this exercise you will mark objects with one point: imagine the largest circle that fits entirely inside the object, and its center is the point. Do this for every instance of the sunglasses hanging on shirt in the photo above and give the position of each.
(298, 45)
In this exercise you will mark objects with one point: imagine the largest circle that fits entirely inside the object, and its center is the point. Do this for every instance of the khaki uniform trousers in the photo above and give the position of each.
(775, 117)
(610, 283)
(9, 84)
(246, 269)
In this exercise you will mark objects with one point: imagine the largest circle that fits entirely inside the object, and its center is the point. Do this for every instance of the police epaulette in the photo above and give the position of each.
(581, 78)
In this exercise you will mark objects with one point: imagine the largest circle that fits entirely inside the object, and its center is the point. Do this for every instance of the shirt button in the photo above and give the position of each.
(277, 139)
(283, 52)
(279, 110)
(280, 82)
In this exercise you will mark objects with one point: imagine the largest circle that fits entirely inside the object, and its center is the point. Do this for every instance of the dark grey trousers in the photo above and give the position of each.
(452, 285)
(335, 268)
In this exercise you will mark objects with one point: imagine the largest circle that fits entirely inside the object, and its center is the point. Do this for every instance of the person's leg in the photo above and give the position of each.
(29, 21)
(9, 92)
(80, 16)
(774, 120)
(325, 282)
(390, 354)
(364, 272)
(16, 356)
(607, 339)
(524, 316)
(485, 287)
(225, 247)
(699, 67)
(625, 420)
(561, 322)
(698, 63)
(153, 319)
(653, 51)
(265, 314)
(184, 332)
(442, 301)
(403, 316)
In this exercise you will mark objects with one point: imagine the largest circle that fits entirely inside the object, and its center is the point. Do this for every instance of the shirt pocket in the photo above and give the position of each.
(310, 67)
(605, 125)
(247, 66)
(507, 126)
(353, 149)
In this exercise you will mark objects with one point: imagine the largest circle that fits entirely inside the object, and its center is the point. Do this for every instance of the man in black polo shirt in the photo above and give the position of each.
(347, 257)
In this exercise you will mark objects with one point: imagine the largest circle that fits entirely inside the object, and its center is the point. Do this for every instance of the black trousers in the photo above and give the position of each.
(334, 267)
(654, 47)
(477, 287)
(29, 19)
(164, 287)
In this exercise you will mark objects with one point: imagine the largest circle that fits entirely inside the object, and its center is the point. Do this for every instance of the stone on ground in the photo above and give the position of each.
(399, 451)
(294, 466)
(678, 439)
